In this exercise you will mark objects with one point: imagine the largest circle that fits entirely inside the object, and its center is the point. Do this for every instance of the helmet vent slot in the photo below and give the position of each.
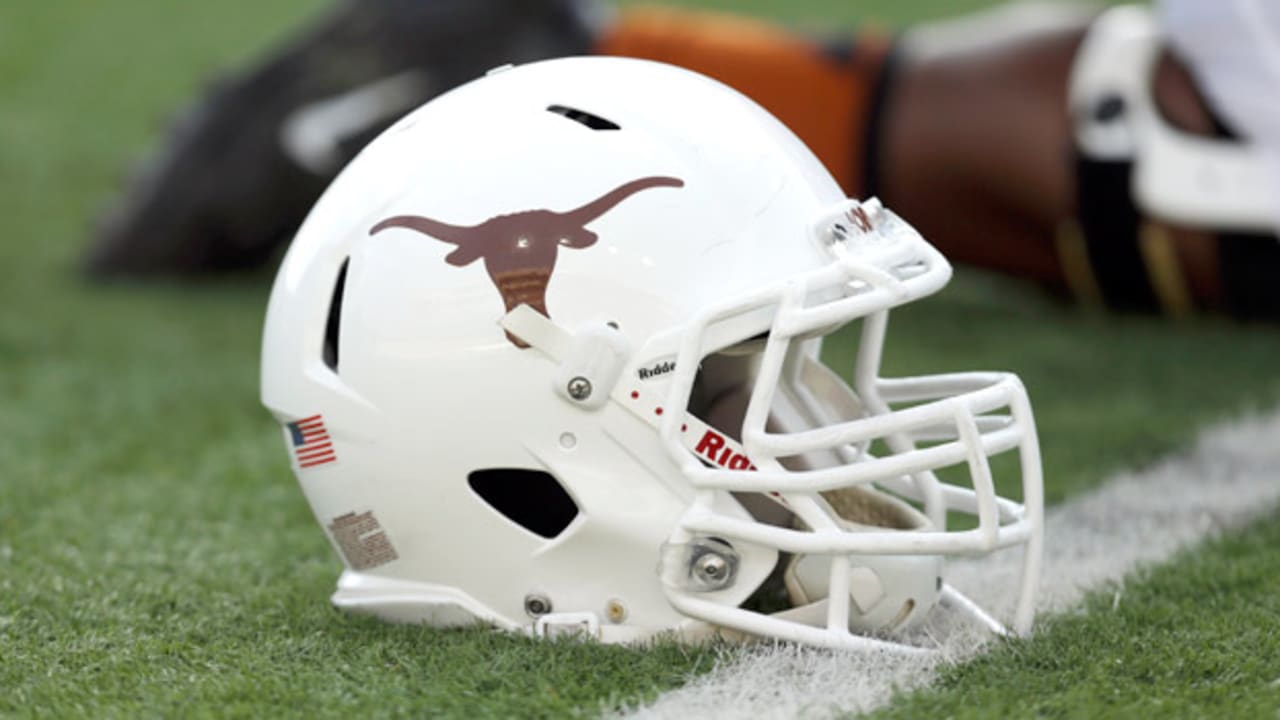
(532, 499)
(333, 325)
(582, 117)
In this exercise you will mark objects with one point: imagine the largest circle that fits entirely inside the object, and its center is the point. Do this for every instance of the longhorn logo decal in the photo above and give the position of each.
(519, 249)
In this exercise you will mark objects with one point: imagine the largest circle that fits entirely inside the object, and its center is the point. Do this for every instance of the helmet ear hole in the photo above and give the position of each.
(532, 499)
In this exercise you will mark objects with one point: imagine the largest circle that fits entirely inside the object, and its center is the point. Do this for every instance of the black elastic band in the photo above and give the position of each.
(1250, 269)
(873, 130)
(1249, 264)
(1109, 221)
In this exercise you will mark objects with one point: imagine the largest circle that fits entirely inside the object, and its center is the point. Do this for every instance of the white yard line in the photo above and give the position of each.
(1229, 477)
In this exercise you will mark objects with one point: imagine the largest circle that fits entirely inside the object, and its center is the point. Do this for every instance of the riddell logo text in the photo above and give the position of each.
(658, 370)
(716, 449)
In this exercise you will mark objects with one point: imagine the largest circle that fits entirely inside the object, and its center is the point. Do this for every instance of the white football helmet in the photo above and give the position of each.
(546, 357)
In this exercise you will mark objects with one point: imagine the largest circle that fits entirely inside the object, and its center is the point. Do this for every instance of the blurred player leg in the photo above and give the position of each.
(823, 91)
(964, 127)
(241, 168)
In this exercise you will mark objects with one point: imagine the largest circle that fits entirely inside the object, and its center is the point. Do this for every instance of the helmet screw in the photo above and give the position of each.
(536, 605)
(616, 611)
(579, 388)
(713, 569)
(712, 564)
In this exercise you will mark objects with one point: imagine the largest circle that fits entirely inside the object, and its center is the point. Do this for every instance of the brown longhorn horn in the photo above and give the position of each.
(594, 209)
(454, 234)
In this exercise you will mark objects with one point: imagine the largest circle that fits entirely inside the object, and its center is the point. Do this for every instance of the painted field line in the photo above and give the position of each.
(1230, 476)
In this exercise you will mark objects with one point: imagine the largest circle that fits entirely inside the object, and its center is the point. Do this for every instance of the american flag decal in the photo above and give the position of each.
(311, 443)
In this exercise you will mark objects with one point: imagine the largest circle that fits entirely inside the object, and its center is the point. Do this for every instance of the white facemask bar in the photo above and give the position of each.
(878, 262)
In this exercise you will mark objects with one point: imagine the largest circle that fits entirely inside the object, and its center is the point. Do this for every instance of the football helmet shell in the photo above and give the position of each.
(546, 356)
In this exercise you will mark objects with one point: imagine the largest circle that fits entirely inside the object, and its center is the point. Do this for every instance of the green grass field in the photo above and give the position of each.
(156, 558)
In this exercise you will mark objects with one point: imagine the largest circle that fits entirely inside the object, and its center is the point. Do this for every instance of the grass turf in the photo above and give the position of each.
(157, 559)
(1195, 638)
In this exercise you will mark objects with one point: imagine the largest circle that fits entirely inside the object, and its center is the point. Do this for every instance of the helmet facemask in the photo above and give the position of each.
(843, 481)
